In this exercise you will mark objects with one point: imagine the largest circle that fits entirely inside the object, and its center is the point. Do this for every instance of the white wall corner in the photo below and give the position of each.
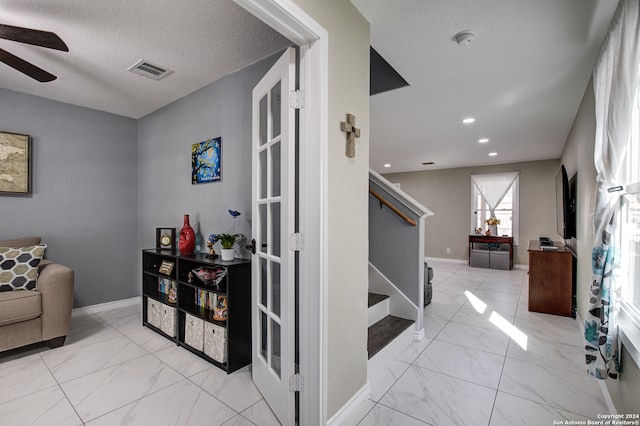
(349, 411)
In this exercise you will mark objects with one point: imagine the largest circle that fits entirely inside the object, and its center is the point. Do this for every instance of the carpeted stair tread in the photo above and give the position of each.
(384, 331)
(375, 298)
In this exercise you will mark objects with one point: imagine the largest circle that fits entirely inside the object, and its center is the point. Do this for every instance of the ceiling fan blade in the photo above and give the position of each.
(26, 67)
(36, 37)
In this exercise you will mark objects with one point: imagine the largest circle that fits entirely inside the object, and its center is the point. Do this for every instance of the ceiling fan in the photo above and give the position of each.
(35, 37)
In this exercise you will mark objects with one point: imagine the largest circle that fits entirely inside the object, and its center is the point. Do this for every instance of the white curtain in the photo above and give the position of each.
(493, 187)
(614, 78)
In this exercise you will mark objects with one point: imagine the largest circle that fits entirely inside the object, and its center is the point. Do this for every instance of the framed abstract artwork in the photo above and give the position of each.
(15, 163)
(206, 161)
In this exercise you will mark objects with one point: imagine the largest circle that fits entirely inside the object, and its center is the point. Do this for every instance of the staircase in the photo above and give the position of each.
(396, 272)
(387, 334)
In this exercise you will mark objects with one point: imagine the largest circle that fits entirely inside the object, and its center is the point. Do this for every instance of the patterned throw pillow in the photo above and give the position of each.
(19, 267)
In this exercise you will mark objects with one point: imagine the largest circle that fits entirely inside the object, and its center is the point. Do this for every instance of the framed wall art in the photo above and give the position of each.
(206, 161)
(15, 163)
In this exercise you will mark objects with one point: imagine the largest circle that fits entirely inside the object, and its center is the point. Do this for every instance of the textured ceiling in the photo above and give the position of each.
(522, 78)
(201, 40)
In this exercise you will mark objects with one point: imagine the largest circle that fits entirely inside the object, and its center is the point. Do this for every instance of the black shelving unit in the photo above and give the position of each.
(151, 262)
(236, 286)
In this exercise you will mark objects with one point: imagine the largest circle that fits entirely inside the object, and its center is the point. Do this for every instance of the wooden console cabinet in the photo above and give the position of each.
(551, 289)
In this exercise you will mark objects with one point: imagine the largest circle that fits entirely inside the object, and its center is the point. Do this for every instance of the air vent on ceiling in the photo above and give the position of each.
(428, 163)
(150, 70)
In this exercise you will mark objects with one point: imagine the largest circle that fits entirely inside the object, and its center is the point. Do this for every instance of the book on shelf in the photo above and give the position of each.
(165, 285)
(211, 303)
(206, 299)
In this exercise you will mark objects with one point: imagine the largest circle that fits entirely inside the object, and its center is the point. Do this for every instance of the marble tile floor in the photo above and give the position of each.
(113, 371)
(485, 360)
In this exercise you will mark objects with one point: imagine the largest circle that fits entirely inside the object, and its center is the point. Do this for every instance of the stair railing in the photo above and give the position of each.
(392, 207)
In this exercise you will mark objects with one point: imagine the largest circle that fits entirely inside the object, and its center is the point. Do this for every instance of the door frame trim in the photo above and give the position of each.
(292, 22)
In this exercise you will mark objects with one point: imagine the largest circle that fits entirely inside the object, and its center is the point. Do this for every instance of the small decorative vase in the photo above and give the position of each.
(226, 254)
(187, 242)
(198, 239)
(493, 229)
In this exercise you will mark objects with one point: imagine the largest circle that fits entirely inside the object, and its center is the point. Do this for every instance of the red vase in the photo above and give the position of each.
(187, 242)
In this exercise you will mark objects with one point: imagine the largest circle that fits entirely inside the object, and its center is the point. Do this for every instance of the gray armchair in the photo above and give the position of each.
(43, 314)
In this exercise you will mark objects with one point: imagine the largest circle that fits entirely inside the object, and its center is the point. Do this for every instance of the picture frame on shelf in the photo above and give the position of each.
(166, 267)
(15, 163)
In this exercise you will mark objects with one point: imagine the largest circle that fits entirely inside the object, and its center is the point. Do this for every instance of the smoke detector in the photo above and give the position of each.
(463, 38)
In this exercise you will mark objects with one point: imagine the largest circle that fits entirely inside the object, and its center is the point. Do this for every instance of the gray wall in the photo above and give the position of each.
(102, 183)
(165, 192)
(578, 157)
(393, 244)
(83, 201)
(447, 193)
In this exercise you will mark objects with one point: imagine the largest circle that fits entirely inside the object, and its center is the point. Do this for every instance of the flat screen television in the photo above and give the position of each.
(565, 205)
(573, 208)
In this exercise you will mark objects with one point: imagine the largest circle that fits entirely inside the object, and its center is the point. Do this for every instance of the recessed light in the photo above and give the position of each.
(387, 165)
(493, 154)
(469, 120)
(483, 140)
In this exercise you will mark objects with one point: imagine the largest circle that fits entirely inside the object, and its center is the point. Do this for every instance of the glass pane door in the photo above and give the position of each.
(273, 221)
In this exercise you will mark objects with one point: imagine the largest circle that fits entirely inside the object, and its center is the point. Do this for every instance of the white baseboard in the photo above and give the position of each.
(351, 406)
(93, 309)
(446, 259)
(607, 396)
(519, 266)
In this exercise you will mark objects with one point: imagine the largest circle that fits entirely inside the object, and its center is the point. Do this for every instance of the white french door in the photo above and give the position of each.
(273, 212)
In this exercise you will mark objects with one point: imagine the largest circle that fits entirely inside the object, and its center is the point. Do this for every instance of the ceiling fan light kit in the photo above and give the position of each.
(39, 38)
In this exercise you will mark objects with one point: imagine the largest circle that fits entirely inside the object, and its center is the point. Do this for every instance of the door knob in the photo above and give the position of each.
(252, 247)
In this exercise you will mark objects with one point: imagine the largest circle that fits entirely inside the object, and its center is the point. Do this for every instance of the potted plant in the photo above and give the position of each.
(227, 241)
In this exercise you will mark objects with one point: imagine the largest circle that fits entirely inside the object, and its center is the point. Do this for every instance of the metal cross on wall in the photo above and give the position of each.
(352, 133)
